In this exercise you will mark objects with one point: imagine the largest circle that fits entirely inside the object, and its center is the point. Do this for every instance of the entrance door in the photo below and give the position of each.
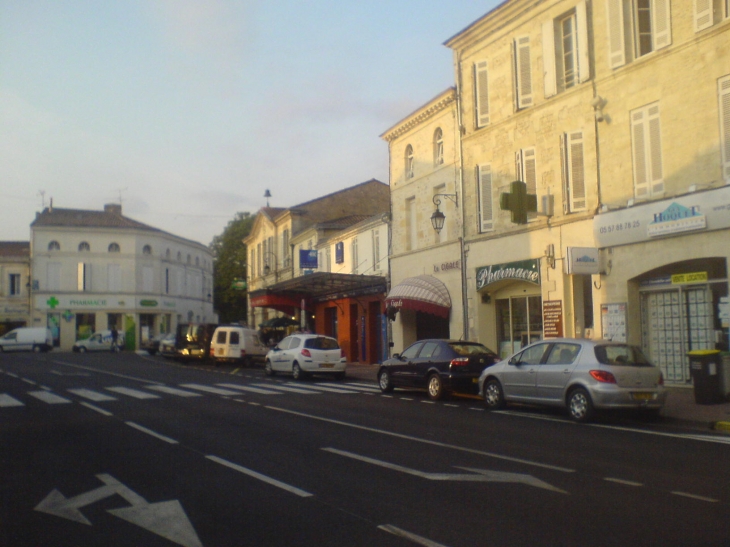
(674, 322)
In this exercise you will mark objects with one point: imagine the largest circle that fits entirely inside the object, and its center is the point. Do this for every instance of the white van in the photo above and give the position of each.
(236, 343)
(27, 339)
(99, 341)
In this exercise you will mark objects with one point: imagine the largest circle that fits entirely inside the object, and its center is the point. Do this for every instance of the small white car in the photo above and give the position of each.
(99, 341)
(304, 354)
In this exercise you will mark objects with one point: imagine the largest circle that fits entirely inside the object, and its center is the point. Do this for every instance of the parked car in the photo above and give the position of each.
(237, 343)
(579, 375)
(439, 366)
(167, 346)
(152, 345)
(99, 341)
(305, 354)
(35, 339)
(192, 340)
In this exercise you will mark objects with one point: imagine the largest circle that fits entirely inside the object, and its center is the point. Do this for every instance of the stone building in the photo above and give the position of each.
(95, 270)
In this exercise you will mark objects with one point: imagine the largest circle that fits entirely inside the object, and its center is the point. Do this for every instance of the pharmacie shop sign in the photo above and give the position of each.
(523, 270)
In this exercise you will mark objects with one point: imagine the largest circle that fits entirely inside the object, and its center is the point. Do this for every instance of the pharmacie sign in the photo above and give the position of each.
(523, 270)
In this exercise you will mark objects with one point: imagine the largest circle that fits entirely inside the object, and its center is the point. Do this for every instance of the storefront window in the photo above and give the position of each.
(519, 322)
(85, 325)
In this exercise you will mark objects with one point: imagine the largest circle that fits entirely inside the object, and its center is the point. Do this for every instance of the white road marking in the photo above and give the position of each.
(352, 387)
(174, 391)
(408, 535)
(694, 497)
(290, 389)
(31, 382)
(210, 389)
(7, 400)
(133, 393)
(91, 395)
(329, 389)
(12, 374)
(102, 371)
(259, 476)
(150, 432)
(622, 481)
(48, 397)
(96, 409)
(251, 389)
(424, 441)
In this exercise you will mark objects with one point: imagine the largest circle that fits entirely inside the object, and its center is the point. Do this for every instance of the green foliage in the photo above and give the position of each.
(230, 263)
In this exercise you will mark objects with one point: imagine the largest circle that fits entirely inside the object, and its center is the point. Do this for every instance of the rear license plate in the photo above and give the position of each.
(640, 396)
(326, 365)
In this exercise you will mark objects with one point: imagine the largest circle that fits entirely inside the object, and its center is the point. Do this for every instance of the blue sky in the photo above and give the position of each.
(188, 110)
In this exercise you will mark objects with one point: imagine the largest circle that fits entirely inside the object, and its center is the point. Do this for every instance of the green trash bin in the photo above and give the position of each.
(704, 366)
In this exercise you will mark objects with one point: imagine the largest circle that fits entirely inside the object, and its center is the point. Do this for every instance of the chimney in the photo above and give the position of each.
(114, 208)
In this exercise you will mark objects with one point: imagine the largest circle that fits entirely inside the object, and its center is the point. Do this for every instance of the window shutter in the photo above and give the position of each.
(523, 72)
(724, 96)
(564, 172)
(661, 23)
(481, 93)
(529, 171)
(486, 211)
(641, 179)
(703, 14)
(616, 39)
(54, 276)
(584, 65)
(548, 58)
(655, 144)
(576, 171)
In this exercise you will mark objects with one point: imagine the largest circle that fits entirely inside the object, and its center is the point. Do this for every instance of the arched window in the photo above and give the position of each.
(114, 247)
(54, 246)
(438, 147)
(197, 261)
(84, 247)
(409, 162)
(146, 250)
(189, 259)
(179, 256)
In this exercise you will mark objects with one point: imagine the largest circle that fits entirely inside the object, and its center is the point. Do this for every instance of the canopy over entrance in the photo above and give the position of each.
(422, 293)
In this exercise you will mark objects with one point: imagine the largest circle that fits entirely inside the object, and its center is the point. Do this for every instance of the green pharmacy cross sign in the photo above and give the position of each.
(518, 202)
(52, 302)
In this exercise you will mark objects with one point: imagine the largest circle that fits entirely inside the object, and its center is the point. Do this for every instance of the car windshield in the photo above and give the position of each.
(470, 349)
(321, 343)
(621, 355)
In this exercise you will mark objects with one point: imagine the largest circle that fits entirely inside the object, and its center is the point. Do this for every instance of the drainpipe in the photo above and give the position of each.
(462, 250)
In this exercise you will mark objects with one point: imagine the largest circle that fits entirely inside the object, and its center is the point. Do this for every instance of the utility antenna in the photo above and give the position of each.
(43, 198)
(120, 190)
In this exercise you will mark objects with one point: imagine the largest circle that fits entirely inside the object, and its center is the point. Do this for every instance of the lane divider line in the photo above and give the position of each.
(251, 473)
(150, 432)
(96, 409)
(408, 535)
(622, 481)
(694, 497)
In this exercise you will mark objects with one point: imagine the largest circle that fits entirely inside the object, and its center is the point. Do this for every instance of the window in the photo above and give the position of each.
(13, 284)
(84, 247)
(647, 152)
(563, 354)
(409, 162)
(376, 250)
(565, 50)
(167, 254)
(54, 246)
(84, 277)
(328, 259)
(438, 147)
(252, 264)
(523, 72)
(574, 189)
(285, 247)
(114, 278)
(167, 280)
(197, 261)
(147, 279)
(411, 227)
(179, 256)
(189, 259)
(481, 94)
(526, 170)
(636, 28)
(339, 252)
(114, 248)
(723, 90)
(709, 12)
(146, 250)
(259, 263)
(355, 260)
(486, 208)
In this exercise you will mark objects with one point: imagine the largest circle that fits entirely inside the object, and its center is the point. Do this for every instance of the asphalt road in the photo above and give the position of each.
(128, 450)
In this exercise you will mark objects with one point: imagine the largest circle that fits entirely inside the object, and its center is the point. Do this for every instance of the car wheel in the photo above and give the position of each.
(493, 395)
(36, 349)
(296, 372)
(268, 369)
(384, 381)
(82, 349)
(580, 405)
(435, 387)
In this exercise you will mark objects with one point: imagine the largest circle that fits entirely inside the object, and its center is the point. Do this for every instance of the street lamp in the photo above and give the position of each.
(438, 218)
(267, 268)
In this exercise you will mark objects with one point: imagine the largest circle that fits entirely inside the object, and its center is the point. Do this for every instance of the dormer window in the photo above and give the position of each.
(114, 247)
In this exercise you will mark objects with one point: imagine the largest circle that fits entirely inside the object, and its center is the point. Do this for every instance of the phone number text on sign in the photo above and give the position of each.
(630, 225)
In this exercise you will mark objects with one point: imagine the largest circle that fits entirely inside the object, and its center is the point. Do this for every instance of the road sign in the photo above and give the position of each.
(165, 518)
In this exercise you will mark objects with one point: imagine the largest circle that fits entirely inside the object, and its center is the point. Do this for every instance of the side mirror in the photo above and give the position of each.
(396, 356)
(513, 361)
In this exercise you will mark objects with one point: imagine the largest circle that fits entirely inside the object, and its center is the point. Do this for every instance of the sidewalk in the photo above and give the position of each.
(680, 408)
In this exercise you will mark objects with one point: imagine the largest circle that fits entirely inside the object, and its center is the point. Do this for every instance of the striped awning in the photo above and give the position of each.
(422, 293)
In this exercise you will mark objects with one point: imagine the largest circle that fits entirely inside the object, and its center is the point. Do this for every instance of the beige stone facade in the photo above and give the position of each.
(14, 285)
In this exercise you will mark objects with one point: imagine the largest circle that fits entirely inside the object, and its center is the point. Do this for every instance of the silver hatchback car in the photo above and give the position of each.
(580, 375)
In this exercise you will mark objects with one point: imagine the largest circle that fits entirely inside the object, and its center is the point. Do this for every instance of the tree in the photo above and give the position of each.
(230, 264)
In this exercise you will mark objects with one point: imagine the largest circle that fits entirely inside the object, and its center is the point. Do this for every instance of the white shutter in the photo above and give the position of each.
(655, 150)
(548, 58)
(114, 278)
(584, 65)
(529, 172)
(639, 144)
(576, 170)
(53, 276)
(523, 72)
(486, 210)
(724, 100)
(616, 38)
(481, 93)
(703, 14)
(661, 24)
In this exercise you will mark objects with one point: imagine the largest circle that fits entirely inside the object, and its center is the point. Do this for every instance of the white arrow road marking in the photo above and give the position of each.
(166, 518)
(482, 475)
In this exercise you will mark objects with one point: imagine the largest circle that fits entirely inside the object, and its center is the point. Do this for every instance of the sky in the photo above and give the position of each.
(187, 111)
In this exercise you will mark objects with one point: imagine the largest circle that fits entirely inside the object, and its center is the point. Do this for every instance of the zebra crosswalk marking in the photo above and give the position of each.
(330, 389)
(290, 389)
(92, 395)
(210, 389)
(173, 391)
(48, 397)
(133, 393)
(251, 389)
(7, 400)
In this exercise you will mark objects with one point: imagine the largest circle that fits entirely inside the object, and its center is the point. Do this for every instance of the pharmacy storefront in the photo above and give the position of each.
(666, 285)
